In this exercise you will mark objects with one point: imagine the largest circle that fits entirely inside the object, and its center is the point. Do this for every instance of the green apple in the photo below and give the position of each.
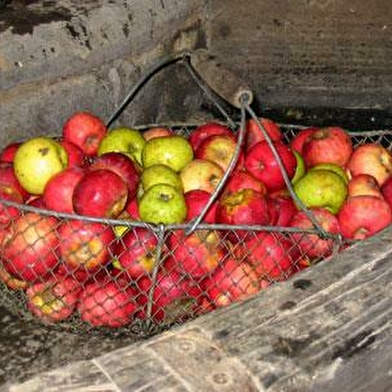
(333, 167)
(173, 151)
(126, 140)
(162, 203)
(322, 188)
(158, 174)
(36, 161)
(300, 169)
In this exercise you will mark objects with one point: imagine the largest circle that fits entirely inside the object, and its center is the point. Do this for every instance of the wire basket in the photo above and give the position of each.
(88, 273)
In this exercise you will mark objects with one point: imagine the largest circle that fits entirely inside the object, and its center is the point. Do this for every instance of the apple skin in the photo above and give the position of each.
(121, 165)
(36, 201)
(195, 201)
(270, 255)
(373, 159)
(298, 141)
(386, 190)
(364, 184)
(219, 149)
(194, 255)
(85, 246)
(53, 300)
(245, 207)
(282, 209)
(254, 135)
(136, 251)
(58, 192)
(132, 209)
(312, 245)
(100, 193)
(30, 249)
(327, 145)
(86, 131)
(7, 154)
(162, 204)
(208, 129)
(201, 174)
(8, 213)
(363, 216)
(106, 304)
(157, 132)
(75, 154)
(242, 179)
(231, 282)
(261, 162)
(9, 182)
(174, 298)
(11, 282)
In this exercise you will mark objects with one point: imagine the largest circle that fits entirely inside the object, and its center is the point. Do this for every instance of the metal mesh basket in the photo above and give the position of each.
(87, 273)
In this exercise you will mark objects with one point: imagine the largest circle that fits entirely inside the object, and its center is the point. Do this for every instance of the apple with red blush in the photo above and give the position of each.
(122, 165)
(132, 209)
(363, 184)
(75, 154)
(372, 159)
(196, 254)
(255, 135)
(84, 245)
(261, 162)
(208, 129)
(195, 201)
(9, 181)
(53, 300)
(86, 131)
(100, 193)
(363, 216)
(11, 281)
(106, 304)
(58, 192)
(151, 133)
(219, 149)
(7, 154)
(313, 245)
(300, 138)
(327, 145)
(242, 179)
(9, 213)
(29, 251)
(282, 209)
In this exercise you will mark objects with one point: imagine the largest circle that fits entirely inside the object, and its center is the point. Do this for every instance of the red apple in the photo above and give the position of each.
(195, 201)
(282, 209)
(327, 145)
(194, 255)
(363, 216)
(261, 162)
(100, 193)
(30, 249)
(9, 181)
(174, 298)
(254, 135)
(201, 174)
(157, 132)
(86, 131)
(312, 245)
(300, 139)
(132, 209)
(245, 207)
(75, 154)
(53, 300)
(363, 184)
(11, 282)
(203, 131)
(270, 254)
(36, 201)
(58, 192)
(106, 304)
(219, 149)
(242, 179)
(9, 213)
(136, 252)
(231, 282)
(8, 152)
(122, 165)
(373, 159)
(85, 245)
(386, 190)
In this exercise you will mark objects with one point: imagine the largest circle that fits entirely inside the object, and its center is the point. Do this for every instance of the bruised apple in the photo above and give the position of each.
(29, 250)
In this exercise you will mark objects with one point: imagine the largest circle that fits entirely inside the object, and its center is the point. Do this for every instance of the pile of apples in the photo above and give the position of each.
(73, 253)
